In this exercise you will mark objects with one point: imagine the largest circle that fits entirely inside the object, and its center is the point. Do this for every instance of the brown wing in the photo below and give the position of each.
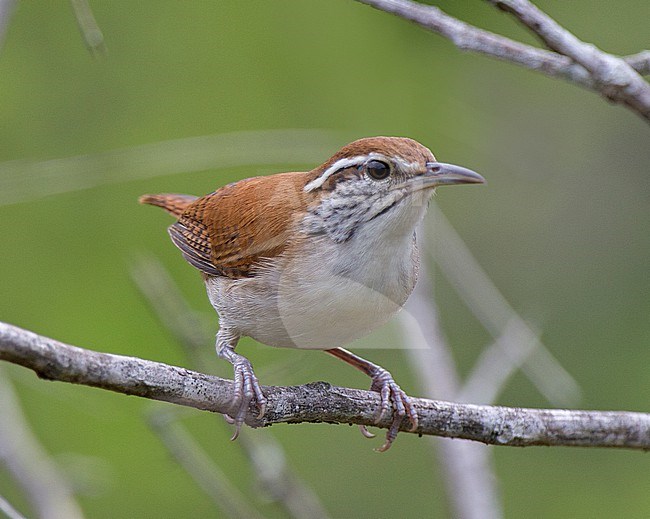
(228, 232)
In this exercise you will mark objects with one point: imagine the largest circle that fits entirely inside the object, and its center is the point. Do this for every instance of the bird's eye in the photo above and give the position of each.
(377, 170)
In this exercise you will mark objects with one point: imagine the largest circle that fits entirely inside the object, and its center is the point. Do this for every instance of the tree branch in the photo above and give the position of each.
(8, 510)
(45, 486)
(206, 474)
(467, 468)
(639, 62)
(613, 77)
(90, 31)
(319, 401)
(6, 10)
(491, 308)
(580, 63)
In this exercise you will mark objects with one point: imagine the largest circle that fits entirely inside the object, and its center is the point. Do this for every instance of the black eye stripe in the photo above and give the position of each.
(375, 169)
(341, 175)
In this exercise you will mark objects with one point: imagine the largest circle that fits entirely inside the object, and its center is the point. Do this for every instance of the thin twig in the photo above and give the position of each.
(632, 93)
(46, 487)
(207, 475)
(639, 62)
(613, 77)
(26, 180)
(497, 364)
(469, 38)
(8, 510)
(321, 402)
(495, 313)
(278, 479)
(173, 312)
(468, 475)
(90, 31)
(6, 10)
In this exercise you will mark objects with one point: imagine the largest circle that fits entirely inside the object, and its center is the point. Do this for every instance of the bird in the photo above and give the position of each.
(315, 259)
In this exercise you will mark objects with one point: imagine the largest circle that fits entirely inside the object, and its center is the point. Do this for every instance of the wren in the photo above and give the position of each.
(314, 259)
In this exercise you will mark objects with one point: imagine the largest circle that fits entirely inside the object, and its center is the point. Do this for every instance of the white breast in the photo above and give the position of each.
(321, 300)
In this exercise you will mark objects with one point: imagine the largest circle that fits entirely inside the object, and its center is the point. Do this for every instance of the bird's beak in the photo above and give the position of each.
(441, 174)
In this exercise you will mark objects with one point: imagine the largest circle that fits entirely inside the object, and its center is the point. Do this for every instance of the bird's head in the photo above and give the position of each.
(380, 184)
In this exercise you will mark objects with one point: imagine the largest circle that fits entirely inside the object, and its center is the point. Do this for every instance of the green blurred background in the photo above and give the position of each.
(561, 228)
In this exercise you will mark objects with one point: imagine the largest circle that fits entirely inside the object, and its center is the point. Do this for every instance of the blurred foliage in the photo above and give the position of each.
(562, 228)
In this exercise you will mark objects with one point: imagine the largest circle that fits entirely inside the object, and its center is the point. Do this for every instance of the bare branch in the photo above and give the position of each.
(495, 313)
(207, 475)
(167, 302)
(469, 38)
(90, 31)
(639, 62)
(609, 75)
(278, 479)
(497, 363)
(614, 78)
(321, 402)
(468, 474)
(24, 180)
(8, 510)
(46, 487)
(6, 10)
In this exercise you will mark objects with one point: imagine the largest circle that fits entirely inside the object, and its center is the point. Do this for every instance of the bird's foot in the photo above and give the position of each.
(247, 390)
(365, 432)
(395, 400)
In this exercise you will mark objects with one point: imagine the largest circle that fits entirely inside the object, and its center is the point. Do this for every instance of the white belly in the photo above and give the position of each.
(321, 302)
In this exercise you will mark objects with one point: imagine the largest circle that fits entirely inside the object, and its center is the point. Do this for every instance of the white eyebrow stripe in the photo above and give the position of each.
(408, 167)
(405, 166)
(337, 166)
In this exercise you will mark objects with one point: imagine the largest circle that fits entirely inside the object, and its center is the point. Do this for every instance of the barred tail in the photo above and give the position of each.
(173, 204)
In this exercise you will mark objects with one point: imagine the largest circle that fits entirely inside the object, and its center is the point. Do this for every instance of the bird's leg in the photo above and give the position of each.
(247, 387)
(392, 395)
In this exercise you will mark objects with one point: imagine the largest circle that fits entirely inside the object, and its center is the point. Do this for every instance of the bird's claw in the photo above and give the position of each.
(365, 432)
(395, 400)
(247, 389)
